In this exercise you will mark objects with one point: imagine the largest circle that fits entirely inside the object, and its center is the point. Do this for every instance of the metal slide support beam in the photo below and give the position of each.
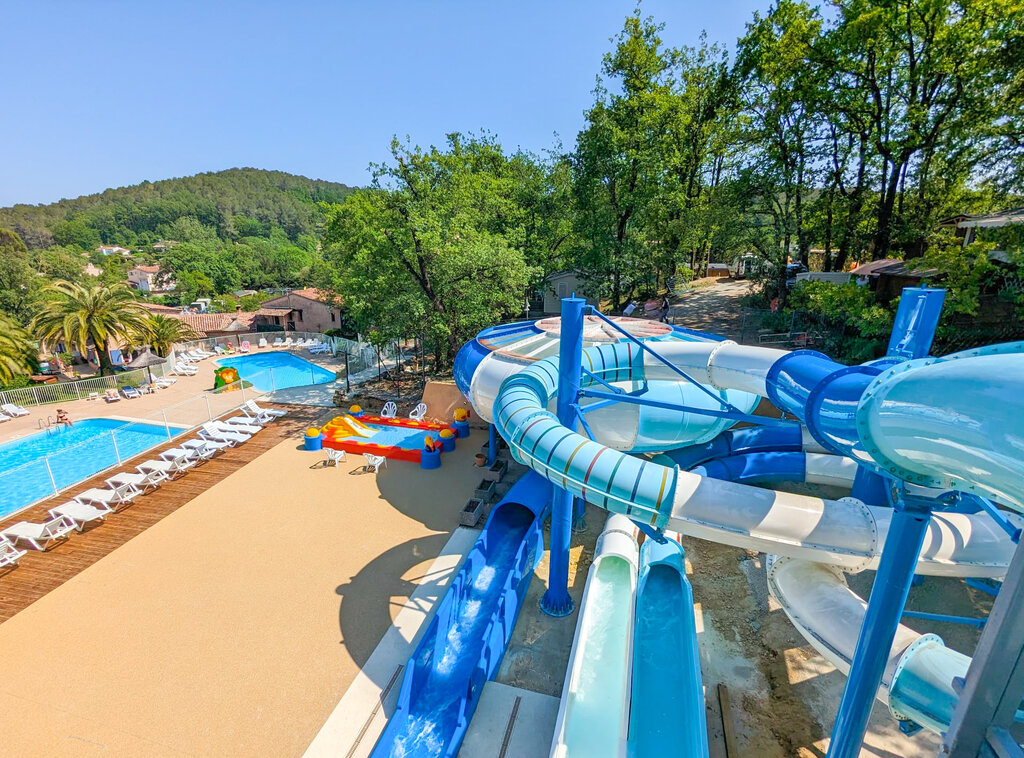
(556, 600)
(492, 444)
(995, 681)
(885, 608)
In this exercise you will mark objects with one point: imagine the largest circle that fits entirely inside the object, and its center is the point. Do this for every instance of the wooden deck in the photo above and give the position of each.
(39, 573)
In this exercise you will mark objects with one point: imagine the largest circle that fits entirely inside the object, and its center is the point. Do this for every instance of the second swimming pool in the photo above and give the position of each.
(276, 370)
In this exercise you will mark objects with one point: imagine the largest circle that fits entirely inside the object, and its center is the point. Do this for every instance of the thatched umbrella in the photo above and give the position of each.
(235, 328)
(147, 360)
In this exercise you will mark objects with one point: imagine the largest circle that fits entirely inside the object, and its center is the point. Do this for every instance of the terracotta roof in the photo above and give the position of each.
(147, 269)
(161, 309)
(274, 311)
(310, 293)
(215, 322)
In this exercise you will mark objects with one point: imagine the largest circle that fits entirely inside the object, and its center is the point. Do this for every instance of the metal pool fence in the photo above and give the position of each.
(46, 476)
(357, 356)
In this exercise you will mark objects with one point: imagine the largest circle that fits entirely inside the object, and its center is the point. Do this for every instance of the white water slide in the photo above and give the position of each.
(949, 423)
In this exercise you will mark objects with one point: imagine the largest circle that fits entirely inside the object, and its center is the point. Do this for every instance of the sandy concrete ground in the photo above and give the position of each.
(184, 401)
(234, 625)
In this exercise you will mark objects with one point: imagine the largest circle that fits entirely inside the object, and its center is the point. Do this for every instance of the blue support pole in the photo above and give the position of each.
(579, 509)
(556, 600)
(885, 608)
(869, 487)
(492, 444)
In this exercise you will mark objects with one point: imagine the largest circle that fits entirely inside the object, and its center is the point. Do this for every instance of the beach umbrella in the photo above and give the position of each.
(147, 360)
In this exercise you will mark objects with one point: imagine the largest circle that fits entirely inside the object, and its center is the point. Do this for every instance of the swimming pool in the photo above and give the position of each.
(275, 371)
(74, 454)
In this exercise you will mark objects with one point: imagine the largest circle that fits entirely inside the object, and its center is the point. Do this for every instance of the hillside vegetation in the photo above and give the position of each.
(240, 202)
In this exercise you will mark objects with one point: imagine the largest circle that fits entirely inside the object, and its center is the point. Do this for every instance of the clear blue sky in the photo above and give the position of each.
(106, 93)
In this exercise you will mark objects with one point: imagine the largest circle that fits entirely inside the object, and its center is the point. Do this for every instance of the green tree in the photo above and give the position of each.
(619, 162)
(18, 355)
(59, 263)
(79, 315)
(161, 332)
(929, 74)
(76, 232)
(17, 281)
(429, 247)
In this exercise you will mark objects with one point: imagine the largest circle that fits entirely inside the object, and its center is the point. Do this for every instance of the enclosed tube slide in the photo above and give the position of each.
(465, 641)
(593, 715)
(666, 718)
(846, 533)
(917, 682)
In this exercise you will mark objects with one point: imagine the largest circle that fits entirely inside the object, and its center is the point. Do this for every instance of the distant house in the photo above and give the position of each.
(114, 250)
(562, 284)
(888, 277)
(150, 279)
(91, 270)
(218, 324)
(163, 245)
(311, 310)
(969, 227)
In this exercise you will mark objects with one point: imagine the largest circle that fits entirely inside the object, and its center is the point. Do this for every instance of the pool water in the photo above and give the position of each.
(74, 454)
(275, 371)
(398, 436)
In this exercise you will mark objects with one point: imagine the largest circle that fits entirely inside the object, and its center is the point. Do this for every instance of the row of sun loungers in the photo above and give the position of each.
(96, 503)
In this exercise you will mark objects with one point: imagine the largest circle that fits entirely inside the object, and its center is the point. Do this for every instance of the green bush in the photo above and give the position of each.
(860, 326)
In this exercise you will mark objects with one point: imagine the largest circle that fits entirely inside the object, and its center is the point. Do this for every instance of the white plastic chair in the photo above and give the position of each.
(390, 410)
(374, 462)
(417, 413)
(335, 456)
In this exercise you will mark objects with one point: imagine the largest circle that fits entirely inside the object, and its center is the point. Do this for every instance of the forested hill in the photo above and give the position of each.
(239, 202)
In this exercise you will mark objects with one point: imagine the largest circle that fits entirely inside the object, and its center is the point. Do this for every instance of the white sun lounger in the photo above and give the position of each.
(278, 342)
(417, 413)
(259, 410)
(40, 536)
(171, 468)
(262, 342)
(13, 410)
(139, 482)
(197, 450)
(238, 424)
(122, 494)
(9, 554)
(211, 431)
(4, 418)
(80, 513)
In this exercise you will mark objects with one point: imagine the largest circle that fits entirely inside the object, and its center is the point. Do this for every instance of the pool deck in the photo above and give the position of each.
(39, 573)
(234, 623)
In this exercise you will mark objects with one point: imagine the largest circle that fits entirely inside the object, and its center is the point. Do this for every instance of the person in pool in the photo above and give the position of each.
(63, 418)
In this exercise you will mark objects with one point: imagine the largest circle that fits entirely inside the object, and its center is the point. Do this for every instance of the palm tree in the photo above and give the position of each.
(163, 331)
(79, 314)
(17, 354)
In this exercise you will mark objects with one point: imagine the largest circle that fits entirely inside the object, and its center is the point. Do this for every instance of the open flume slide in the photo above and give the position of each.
(464, 643)
(593, 715)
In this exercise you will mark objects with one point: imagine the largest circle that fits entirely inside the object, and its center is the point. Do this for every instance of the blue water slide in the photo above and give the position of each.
(464, 643)
(666, 718)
